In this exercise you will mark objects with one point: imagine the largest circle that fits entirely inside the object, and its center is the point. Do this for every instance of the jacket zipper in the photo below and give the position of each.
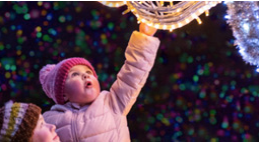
(73, 125)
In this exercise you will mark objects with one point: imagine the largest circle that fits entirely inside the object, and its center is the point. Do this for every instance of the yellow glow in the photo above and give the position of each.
(126, 11)
(199, 20)
(39, 3)
(207, 12)
(38, 28)
(170, 17)
(19, 32)
(149, 24)
(162, 3)
(113, 3)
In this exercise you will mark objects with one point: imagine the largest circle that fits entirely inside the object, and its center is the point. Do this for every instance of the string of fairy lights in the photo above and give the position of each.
(165, 15)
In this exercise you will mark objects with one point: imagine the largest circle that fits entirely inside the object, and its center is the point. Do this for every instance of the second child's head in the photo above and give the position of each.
(22, 122)
(71, 80)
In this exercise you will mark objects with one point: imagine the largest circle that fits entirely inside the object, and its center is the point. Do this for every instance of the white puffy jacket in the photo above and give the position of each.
(105, 119)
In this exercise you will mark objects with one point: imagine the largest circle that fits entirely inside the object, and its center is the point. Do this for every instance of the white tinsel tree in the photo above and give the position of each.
(243, 17)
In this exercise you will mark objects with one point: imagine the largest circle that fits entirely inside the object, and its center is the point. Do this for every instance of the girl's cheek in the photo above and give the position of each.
(78, 82)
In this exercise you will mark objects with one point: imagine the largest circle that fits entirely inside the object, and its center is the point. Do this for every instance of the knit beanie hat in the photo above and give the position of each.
(18, 121)
(53, 77)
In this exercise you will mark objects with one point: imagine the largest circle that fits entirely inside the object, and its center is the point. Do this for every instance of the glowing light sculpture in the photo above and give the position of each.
(169, 15)
(244, 21)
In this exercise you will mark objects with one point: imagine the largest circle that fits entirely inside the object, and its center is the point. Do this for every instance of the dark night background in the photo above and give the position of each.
(199, 89)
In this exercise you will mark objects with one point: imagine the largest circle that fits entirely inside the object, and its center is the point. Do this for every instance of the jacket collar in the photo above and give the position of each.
(76, 106)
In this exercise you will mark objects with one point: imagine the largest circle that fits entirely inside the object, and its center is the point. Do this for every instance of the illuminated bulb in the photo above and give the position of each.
(187, 20)
(137, 15)
(227, 16)
(171, 3)
(171, 30)
(172, 27)
(164, 27)
(149, 24)
(162, 3)
(180, 24)
(242, 51)
(199, 20)
(257, 69)
(246, 27)
(157, 26)
(143, 20)
(126, 11)
(207, 12)
(139, 20)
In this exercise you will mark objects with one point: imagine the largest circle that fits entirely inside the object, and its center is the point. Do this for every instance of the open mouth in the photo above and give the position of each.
(88, 84)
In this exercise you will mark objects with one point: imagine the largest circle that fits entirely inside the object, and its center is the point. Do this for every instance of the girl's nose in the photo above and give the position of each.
(85, 75)
(52, 127)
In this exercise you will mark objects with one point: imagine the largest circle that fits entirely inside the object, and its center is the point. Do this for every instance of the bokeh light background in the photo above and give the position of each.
(199, 89)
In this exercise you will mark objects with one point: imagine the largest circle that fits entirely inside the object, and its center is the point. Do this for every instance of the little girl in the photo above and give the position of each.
(21, 122)
(83, 112)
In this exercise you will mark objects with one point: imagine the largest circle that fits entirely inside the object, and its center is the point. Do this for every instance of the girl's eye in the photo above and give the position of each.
(75, 74)
(89, 72)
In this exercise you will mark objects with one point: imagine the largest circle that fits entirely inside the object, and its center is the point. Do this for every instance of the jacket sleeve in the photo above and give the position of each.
(140, 56)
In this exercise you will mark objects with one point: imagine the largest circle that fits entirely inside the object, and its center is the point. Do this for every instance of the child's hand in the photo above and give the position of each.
(148, 30)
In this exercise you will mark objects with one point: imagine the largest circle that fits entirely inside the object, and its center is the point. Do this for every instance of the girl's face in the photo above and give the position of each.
(44, 132)
(81, 85)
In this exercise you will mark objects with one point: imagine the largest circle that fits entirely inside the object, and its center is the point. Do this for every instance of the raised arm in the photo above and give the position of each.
(140, 56)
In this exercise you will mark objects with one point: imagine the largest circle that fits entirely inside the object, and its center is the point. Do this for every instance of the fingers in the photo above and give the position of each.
(148, 30)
